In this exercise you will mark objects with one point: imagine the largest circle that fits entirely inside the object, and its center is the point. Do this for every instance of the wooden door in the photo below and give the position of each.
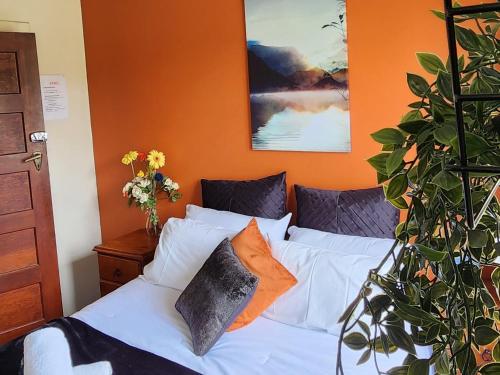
(29, 277)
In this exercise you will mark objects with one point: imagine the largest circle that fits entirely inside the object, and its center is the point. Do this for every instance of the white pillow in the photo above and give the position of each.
(377, 247)
(274, 229)
(183, 247)
(327, 282)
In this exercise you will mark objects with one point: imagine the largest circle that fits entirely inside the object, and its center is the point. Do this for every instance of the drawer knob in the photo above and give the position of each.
(117, 273)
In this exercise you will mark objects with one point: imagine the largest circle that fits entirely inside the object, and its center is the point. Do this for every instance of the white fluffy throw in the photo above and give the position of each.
(46, 352)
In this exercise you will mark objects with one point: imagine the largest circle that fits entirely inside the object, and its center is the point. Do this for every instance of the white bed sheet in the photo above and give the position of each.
(143, 315)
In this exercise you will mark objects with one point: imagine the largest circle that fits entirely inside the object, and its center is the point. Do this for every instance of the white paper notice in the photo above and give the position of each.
(54, 97)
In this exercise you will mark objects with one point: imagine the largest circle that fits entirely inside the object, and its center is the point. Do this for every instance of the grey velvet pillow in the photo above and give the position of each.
(265, 197)
(218, 293)
(363, 212)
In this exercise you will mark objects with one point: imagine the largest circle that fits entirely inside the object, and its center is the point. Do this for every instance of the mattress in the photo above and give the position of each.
(143, 315)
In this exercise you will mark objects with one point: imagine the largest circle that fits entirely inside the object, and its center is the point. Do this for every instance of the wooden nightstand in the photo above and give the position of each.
(123, 259)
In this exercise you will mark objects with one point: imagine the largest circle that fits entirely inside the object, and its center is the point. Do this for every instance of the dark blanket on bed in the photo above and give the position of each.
(89, 345)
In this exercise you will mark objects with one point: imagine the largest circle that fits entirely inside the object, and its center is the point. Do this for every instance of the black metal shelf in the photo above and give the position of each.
(464, 168)
(475, 169)
(473, 9)
(476, 97)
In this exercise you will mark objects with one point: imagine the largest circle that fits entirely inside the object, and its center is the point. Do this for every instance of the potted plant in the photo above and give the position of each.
(434, 294)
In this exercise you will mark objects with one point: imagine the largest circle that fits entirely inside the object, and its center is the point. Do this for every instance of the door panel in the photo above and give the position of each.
(23, 304)
(9, 81)
(29, 278)
(15, 192)
(17, 250)
(12, 131)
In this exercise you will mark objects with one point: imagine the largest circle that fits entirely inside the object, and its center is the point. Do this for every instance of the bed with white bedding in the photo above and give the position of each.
(138, 329)
(143, 315)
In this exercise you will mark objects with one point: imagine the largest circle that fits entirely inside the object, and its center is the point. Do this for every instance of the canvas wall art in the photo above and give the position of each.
(298, 72)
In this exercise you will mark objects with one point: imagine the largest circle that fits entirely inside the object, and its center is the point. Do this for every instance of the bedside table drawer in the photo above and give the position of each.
(107, 287)
(118, 270)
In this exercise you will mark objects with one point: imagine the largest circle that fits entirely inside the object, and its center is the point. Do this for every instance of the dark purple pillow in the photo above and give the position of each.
(363, 212)
(265, 197)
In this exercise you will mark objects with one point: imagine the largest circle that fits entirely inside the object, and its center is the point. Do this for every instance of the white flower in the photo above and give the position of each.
(144, 183)
(126, 188)
(168, 182)
(136, 192)
(143, 198)
(175, 186)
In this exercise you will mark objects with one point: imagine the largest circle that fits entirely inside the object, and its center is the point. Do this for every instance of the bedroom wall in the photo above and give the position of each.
(59, 34)
(172, 75)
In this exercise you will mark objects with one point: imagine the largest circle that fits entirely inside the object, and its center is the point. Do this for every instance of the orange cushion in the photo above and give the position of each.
(274, 279)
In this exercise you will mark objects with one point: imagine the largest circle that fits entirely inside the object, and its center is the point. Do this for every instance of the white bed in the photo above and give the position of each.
(143, 315)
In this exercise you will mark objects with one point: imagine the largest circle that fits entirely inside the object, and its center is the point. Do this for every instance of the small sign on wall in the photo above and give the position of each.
(54, 97)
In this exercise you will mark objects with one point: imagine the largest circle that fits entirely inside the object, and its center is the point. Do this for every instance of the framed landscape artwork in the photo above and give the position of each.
(298, 75)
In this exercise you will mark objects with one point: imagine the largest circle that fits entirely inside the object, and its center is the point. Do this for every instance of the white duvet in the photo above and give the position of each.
(143, 315)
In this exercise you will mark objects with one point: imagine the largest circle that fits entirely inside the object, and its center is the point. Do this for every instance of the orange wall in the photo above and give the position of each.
(172, 75)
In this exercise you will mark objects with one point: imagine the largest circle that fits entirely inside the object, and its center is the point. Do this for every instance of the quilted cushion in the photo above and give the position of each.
(265, 197)
(363, 212)
(217, 294)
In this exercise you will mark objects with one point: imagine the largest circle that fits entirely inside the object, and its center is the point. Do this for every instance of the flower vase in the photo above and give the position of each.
(153, 226)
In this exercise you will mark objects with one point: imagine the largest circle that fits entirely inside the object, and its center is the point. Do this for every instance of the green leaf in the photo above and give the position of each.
(400, 338)
(430, 62)
(356, 341)
(443, 84)
(439, 14)
(490, 369)
(397, 186)
(431, 254)
(381, 178)
(446, 180)
(480, 86)
(409, 359)
(455, 195)
(364, 357)
(379, 162)
(389, 136)
(467, 39)
(412, 116)
(461, 358)
(398, 370)
(385, 343)
(496, 352)
(445, 134)
(485, 335)
(438, 290)
(476, 145)
(417, 84)
(481, 321)
(395, 159)
(491, 76)
(477, 238)
(399, 203)
(350, 309)
(419, 210)
(413, 127)
(364, 327)
(443, 364)
(419, 367)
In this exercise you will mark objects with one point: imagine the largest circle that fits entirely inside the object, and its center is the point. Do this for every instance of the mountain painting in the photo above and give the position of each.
(298, 73)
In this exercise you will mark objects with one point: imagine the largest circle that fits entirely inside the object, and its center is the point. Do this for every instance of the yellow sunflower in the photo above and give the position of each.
(133, 155)
(156, 159)
(126, 159)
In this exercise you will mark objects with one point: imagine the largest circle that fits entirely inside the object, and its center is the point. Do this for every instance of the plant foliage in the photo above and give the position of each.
(434, 294)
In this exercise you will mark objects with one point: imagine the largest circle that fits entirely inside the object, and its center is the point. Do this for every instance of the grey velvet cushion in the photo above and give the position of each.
(265, 197)
(214, 298)
(363, 212)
